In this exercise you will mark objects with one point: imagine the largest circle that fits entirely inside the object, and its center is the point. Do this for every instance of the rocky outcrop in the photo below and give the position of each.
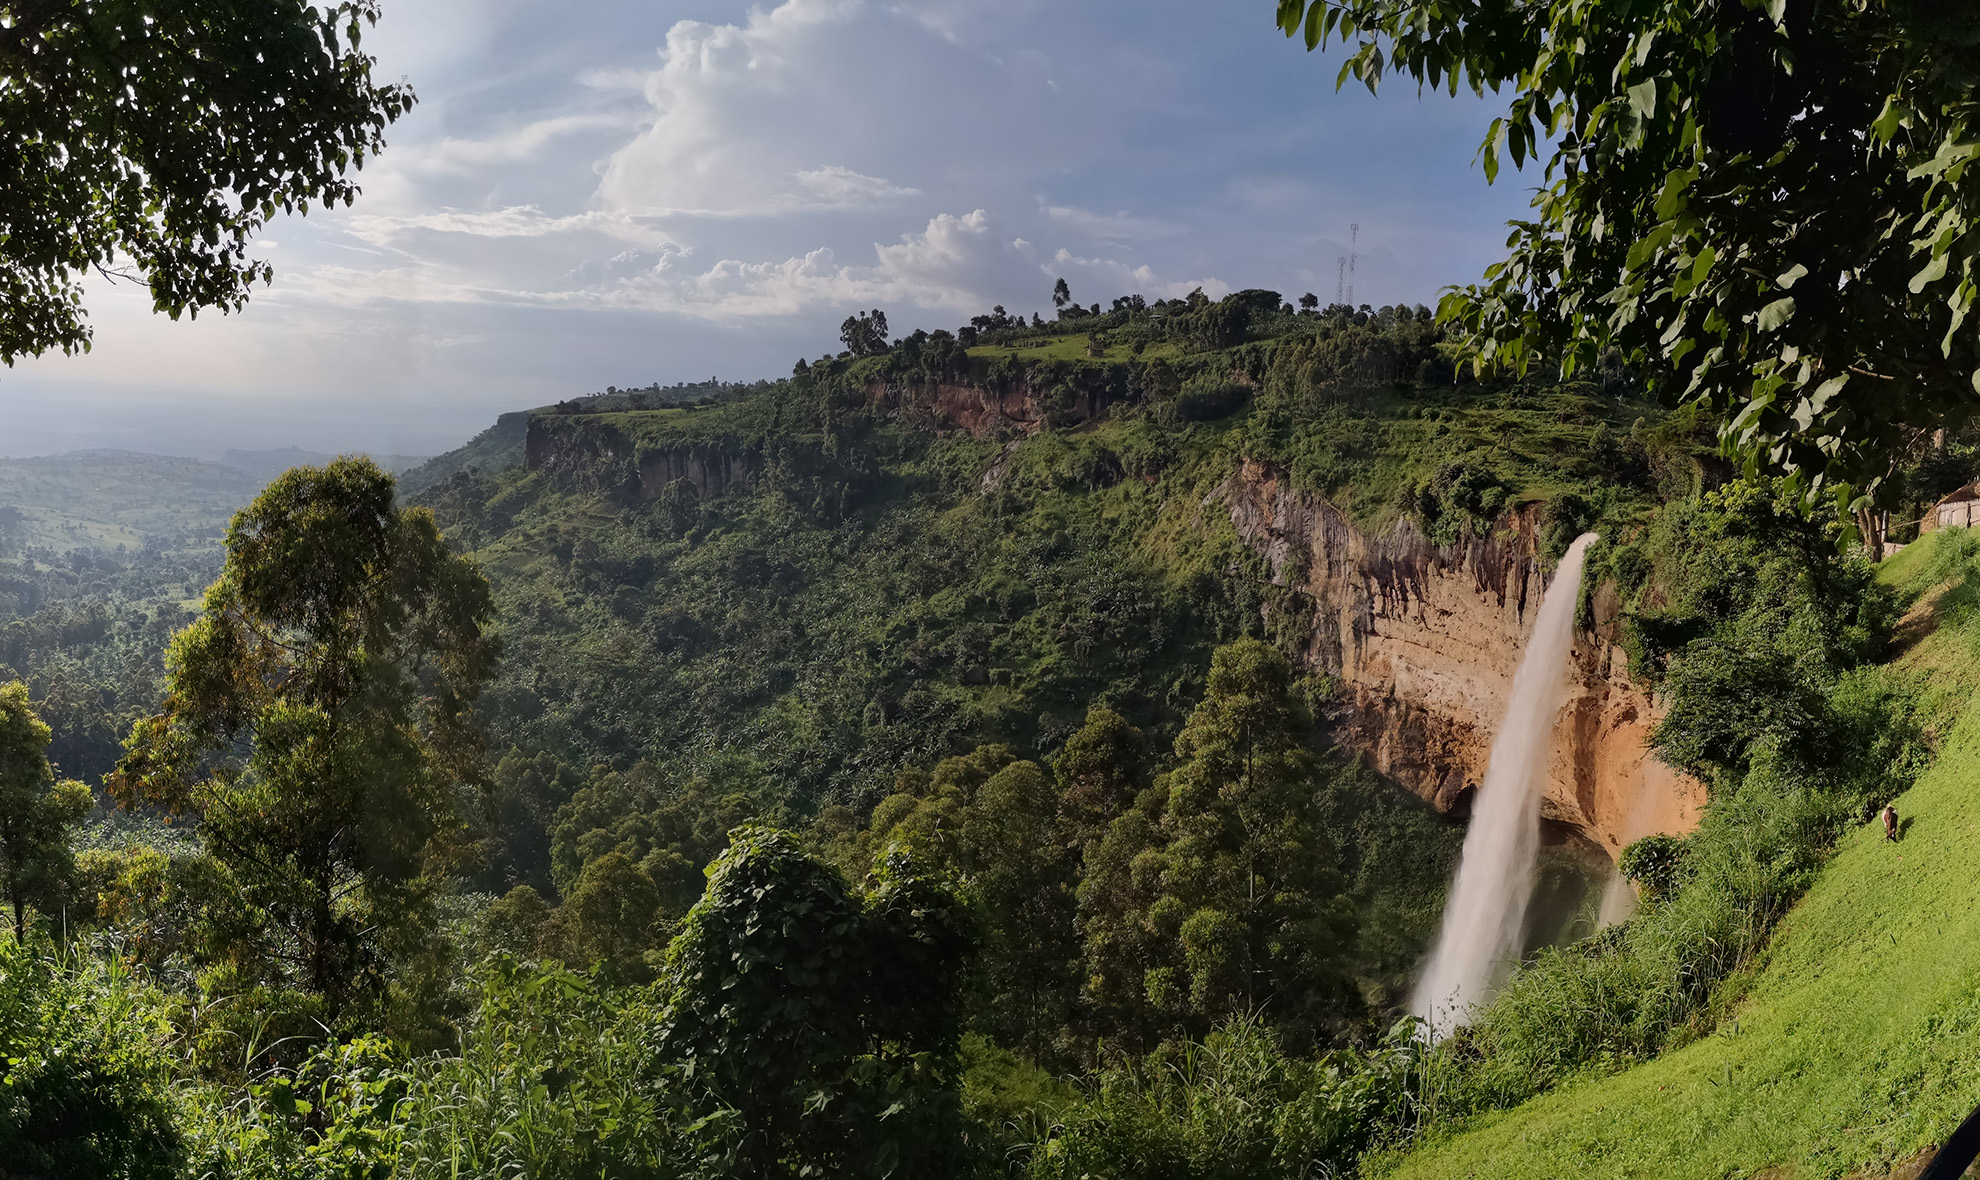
(708, 469)
(589, 451)
(983, 410)
(1425, 640)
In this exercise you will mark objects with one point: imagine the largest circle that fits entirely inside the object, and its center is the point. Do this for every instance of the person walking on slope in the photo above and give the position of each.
(1889, 816)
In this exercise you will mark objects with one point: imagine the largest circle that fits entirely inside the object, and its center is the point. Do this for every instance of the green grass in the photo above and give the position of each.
(1858, 1044)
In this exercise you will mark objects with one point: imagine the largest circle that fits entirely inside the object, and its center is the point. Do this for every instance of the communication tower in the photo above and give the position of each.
(1354, 255)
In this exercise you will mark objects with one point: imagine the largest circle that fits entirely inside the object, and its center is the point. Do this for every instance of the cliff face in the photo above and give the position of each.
(590, 452)
(983, 411)
(1425, 641)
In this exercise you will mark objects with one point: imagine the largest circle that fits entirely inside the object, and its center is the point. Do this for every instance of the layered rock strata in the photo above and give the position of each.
(1425, 640)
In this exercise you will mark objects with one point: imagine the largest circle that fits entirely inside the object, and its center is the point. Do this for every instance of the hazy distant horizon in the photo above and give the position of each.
(84, 418)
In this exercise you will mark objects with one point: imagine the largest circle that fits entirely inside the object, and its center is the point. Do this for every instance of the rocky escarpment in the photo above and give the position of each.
(1425, 640)
(591, 452)
(1025, 402)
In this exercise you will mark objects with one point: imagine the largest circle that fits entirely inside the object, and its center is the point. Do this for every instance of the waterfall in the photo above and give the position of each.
(1486, 910)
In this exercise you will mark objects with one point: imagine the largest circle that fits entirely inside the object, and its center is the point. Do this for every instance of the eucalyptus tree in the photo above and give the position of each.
(318, 720)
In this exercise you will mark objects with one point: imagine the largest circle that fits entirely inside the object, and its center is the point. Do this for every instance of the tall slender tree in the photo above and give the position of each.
(36, 812)
(317, 718)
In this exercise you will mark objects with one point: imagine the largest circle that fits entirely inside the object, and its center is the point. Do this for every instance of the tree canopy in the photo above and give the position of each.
(36, 812)
(1766, 206)
(154, 138)
(317, 717)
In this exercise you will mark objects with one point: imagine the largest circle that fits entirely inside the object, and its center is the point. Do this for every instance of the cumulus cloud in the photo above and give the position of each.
(821, 103)
(846, 131)
(943, 266)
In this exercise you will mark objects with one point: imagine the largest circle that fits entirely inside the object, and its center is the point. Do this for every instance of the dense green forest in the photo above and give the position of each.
(821, 775)
(910, 767)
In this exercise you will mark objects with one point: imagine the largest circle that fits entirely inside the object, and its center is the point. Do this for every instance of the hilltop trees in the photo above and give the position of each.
(317, 719)
(865, 334)
(161, 136)
(36, 812)
(1769, 208)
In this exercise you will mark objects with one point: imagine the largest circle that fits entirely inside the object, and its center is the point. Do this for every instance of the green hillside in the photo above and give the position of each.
(802, 589)
(974, 628)
(1857, 1045)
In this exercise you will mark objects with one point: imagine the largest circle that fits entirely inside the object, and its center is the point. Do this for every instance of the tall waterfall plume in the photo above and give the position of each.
(1486, 911)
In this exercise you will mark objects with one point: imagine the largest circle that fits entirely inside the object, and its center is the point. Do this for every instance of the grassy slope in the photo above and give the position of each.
(1859, 1044)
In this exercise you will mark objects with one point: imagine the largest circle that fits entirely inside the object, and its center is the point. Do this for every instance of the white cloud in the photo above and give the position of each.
(516, 221)
(824, 103)
(945, 266)
(511, 147)
(1090, 276)
(1121, 226)
(834, 185)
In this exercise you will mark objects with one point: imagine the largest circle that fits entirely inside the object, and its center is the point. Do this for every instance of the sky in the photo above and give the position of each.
(619, 192)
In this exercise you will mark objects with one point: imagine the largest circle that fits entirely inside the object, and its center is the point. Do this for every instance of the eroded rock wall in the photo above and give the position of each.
(1425, 640)
(588, 451)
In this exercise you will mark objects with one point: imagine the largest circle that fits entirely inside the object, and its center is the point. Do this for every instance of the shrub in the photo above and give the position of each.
(84, 1078)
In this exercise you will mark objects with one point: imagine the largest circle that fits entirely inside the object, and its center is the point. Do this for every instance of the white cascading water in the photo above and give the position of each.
(1486, 911)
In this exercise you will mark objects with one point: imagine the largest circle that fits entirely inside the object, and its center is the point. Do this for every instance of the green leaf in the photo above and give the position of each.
(1792, 275)
(1889, 121)
(1703, 265)
(1950, 154)
(1643, 97)
(1933, 272)
(1827, 390)
(1777, 313)
(1291, 12)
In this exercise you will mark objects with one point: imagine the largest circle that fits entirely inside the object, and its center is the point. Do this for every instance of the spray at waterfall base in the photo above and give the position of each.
(1485, 913)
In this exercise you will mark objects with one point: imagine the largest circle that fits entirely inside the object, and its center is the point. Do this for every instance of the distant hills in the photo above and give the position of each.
(269, 464)
(104, 500)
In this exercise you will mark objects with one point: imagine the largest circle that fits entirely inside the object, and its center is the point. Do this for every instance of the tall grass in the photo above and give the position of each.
(1235, 1107)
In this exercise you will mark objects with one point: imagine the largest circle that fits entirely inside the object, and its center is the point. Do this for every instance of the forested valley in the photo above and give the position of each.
(907, 767)
(1047, 747)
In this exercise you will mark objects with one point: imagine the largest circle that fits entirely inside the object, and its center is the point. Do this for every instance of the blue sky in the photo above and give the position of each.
(616, 192)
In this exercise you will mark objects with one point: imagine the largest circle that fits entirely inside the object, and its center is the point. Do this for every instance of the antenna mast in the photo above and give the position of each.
(1354, 255)
(1340, 280)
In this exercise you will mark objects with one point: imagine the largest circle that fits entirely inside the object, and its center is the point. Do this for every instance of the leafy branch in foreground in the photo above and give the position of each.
(1767, 206)
(154, 137)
